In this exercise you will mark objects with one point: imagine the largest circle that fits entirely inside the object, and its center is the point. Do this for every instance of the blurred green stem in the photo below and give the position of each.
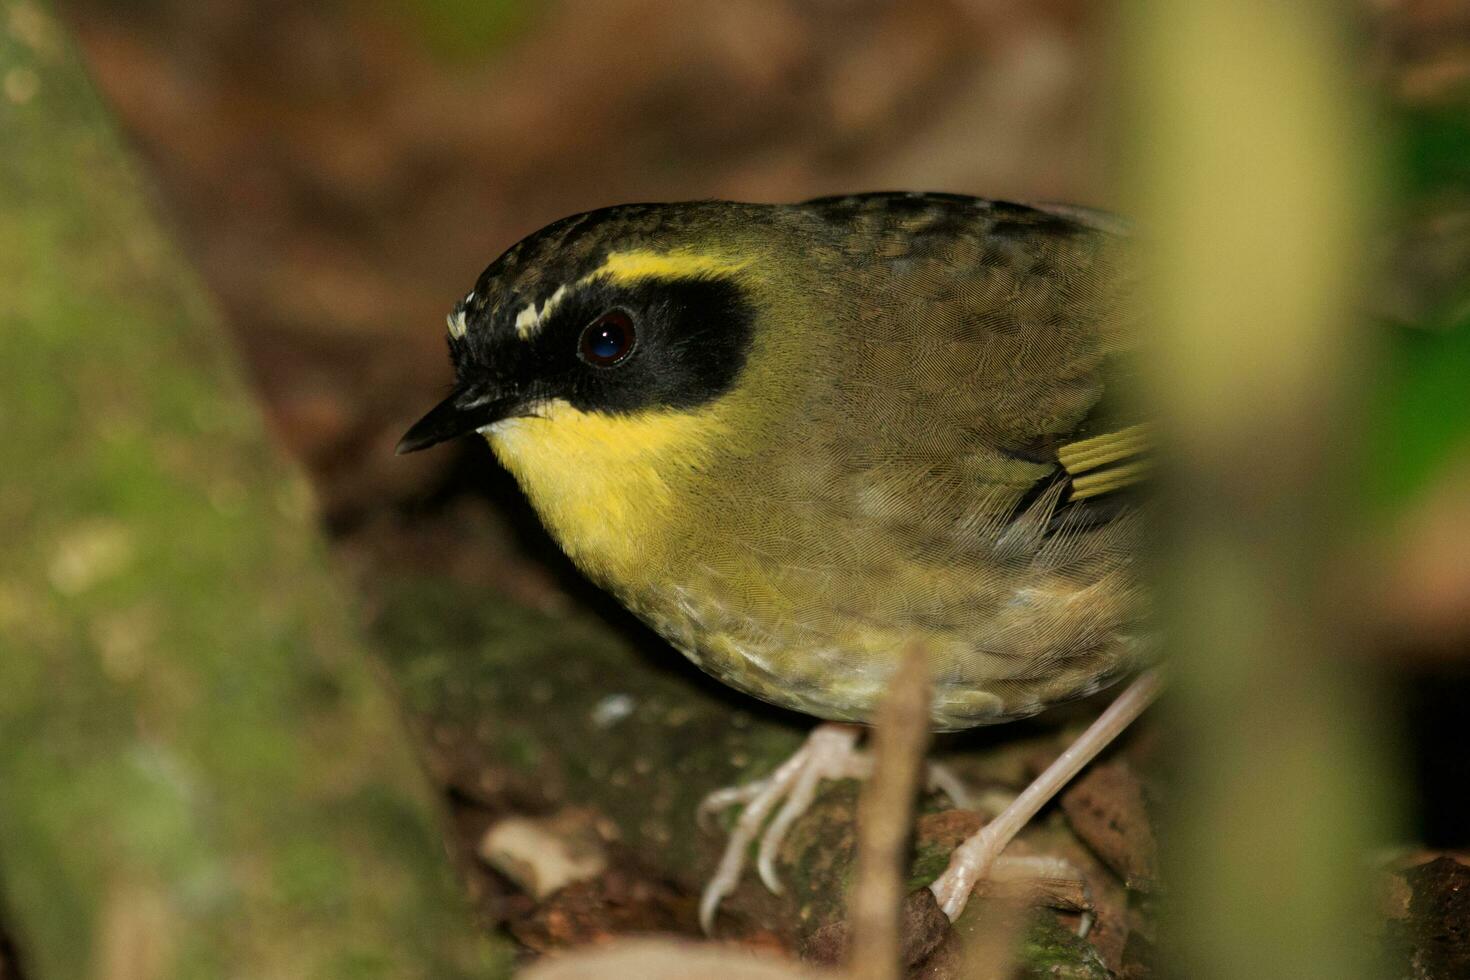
(1251, 174)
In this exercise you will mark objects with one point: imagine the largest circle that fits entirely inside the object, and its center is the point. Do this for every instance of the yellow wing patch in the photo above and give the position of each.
(1112, 461)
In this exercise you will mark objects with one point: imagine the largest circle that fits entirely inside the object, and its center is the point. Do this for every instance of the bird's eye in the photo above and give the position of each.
(608, 339)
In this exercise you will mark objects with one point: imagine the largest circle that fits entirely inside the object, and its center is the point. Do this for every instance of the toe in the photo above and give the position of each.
(723, 799)
(827, 754)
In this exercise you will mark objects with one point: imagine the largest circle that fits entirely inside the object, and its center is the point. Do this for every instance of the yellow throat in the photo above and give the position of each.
(607, 485)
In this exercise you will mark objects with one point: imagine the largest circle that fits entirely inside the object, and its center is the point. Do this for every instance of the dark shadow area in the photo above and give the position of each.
(1435, 700)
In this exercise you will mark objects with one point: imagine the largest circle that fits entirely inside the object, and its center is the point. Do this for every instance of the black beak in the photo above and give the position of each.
(463, 412)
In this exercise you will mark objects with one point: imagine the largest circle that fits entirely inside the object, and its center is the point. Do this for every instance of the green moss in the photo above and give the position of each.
(1432, 145)
(929, 861)
(568, 710)
(1051, 950)
(196, 757)
(1420, 423)
(817, 861)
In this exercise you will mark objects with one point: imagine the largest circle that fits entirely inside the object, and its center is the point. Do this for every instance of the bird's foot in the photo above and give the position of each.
(979, 860)
(970, 863)
(830, 752)
(1035, 879)
(980, 857)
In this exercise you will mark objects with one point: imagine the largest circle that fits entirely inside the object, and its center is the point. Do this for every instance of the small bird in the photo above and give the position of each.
(794, 439)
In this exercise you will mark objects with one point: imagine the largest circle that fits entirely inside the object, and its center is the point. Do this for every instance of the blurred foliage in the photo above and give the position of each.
(1433, 147)
(1420, 422)
(468, 30)
(1419, 416)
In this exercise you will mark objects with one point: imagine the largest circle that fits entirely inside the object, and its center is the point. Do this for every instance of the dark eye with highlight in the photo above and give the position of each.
(608, 339)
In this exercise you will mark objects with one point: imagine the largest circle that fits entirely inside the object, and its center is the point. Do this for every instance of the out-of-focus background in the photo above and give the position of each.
(340, 172)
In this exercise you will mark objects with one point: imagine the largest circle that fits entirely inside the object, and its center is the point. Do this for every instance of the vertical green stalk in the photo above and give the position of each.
(1251, 167)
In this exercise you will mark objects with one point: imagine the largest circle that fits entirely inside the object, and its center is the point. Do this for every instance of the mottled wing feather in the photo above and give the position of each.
(991, 340)
(1015, 328)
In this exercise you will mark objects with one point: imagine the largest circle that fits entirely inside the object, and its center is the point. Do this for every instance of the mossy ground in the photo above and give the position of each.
(527, 711)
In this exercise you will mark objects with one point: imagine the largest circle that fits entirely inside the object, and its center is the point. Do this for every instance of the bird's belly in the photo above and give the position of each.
(988, 665)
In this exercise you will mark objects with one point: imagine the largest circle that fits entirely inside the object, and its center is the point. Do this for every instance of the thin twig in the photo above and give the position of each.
(885, 819)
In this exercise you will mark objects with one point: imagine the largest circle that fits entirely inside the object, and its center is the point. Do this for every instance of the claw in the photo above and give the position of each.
(760, 797)
(830, 748)
(826, 754)
(830, 752)
(942, 779)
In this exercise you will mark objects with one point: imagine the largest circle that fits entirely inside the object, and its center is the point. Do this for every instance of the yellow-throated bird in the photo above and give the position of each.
(794, 438)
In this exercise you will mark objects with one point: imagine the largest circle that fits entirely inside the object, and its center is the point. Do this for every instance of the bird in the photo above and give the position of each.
(795, 438)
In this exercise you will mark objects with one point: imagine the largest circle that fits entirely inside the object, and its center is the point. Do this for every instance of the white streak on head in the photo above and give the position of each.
(530, 317)
(456, 323)
(527, 321)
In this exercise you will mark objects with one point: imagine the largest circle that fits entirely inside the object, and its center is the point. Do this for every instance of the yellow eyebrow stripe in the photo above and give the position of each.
(622, 268)
(632, 266)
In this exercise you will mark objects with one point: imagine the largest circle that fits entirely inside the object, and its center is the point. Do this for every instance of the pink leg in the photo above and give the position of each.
(974, 859)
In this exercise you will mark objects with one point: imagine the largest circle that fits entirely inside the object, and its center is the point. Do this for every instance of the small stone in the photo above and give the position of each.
(612, 709)
(543, 856)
